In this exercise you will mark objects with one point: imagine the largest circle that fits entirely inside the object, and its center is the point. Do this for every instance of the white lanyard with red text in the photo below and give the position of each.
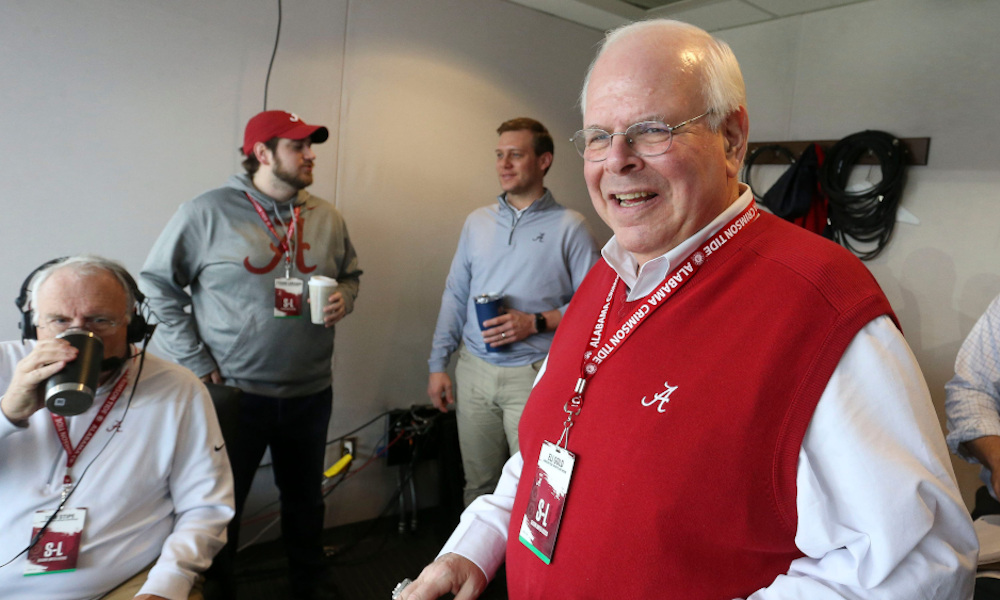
(283, 242)
(61, 430)
(671, 284)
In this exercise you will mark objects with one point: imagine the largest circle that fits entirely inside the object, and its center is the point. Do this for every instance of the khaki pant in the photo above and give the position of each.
(130, 588)
(490, 401)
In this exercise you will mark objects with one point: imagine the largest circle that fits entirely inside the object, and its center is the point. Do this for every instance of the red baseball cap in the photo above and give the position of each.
(278, 123)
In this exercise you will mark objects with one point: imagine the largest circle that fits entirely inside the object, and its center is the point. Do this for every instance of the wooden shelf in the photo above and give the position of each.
(917, 150)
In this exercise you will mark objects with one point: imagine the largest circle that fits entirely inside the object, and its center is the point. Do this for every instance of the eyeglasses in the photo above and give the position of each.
(98, 325)
(647, 138)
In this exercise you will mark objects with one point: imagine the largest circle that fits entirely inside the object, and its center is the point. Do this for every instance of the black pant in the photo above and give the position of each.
(295, 429)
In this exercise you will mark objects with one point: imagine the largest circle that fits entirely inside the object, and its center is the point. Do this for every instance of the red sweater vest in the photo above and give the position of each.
(692, 498)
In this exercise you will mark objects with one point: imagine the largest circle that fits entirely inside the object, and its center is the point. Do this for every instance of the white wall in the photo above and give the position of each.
(427, 84)
(113, 112)
(914, 68)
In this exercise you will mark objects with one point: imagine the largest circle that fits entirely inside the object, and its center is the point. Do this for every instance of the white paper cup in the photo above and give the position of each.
(320, 289)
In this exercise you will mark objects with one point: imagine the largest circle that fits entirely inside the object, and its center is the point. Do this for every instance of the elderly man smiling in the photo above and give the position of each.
(728, 409)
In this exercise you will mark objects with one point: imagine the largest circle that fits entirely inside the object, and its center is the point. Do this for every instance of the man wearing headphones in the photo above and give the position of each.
(129, 498)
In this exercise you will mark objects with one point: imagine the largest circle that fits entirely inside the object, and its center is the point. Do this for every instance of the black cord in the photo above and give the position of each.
(274, 51)
(337, 439)
(263, 572)
(868, 216)
(357, 429)
(416, 428)
(751, 158)
(376, 521)
(262, 510)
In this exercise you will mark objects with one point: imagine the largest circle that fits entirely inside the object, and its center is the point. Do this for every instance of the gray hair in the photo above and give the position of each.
(722, 84)
(84, 264)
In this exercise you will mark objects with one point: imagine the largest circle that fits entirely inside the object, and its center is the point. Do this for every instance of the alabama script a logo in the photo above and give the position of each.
(660, 397)
(300, 248)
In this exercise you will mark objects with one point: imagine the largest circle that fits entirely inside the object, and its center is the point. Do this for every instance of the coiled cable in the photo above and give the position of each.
(751, 158)
(866, 216)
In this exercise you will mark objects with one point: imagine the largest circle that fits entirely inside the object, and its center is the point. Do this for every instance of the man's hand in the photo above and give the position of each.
(335, 310)
(512, 326)
(149, 597)
(439, 391)
(986, 449)
(449, 573)
(24, 395)
(213, 377)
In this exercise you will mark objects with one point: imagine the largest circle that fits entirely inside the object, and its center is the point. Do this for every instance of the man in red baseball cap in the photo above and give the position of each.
(238, 257)
(280, 124)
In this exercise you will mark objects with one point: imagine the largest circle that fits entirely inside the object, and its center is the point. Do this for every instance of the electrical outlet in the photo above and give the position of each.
(349, 446)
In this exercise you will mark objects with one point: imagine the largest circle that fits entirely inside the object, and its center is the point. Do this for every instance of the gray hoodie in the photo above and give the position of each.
(209, 279)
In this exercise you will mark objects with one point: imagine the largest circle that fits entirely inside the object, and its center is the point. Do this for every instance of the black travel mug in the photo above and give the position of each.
(71, 391)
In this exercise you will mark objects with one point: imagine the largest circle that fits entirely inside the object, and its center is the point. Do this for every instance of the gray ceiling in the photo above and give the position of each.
(711, 15)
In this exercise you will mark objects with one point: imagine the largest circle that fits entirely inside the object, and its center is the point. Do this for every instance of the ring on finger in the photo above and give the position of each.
(398, 590)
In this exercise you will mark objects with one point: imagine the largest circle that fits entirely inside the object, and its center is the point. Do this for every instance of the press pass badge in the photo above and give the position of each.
(548, 497)
(288, 297)
(59, 546)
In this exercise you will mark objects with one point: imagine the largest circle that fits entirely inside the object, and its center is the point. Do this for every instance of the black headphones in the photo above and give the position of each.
(138, 329)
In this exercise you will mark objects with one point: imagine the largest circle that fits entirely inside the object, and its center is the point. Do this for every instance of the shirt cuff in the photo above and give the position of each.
(8, 426)
(480, 543)
(979, 429)
(167, 583)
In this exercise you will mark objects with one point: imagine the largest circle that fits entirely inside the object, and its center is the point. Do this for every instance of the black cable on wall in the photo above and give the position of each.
(868, 216)
(274, 51)
(751, 158)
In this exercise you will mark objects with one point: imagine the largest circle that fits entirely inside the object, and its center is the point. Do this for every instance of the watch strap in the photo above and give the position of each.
(540, 322)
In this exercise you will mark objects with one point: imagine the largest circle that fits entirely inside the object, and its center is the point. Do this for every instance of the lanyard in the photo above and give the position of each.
(61, 430)
(283, 242)
(599, 352)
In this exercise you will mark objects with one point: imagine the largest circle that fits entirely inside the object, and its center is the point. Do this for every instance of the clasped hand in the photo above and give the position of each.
(512, 326)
